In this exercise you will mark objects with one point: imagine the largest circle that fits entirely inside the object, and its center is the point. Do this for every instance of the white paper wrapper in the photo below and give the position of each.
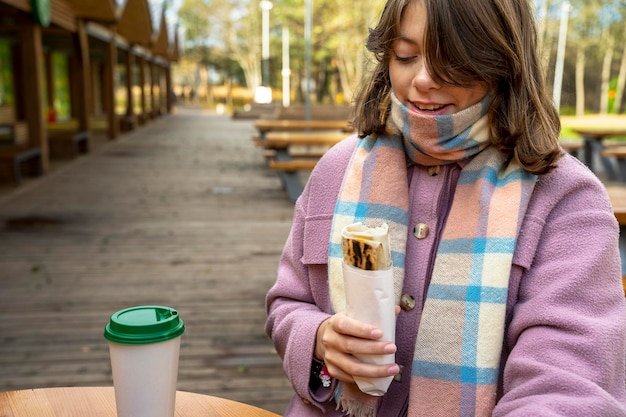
(370, 298)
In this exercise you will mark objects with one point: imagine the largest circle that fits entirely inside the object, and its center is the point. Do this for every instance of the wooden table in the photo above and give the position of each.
(617, 194)
(100, 402)
(593, 138)
(266, 125)
(282, 144)
(282, 140)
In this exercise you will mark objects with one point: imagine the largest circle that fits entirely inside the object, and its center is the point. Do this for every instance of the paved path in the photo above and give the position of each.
(182, 212)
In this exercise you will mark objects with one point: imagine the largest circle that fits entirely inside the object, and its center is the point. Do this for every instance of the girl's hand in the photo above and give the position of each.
(340, 337)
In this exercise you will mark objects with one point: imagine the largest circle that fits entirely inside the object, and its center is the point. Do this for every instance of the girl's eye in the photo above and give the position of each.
(407, 59)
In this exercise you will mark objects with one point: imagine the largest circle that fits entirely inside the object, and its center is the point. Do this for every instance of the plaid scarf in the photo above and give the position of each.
(457, 353)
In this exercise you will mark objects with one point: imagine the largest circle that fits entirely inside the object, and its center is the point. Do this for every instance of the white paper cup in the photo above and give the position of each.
(144, 344)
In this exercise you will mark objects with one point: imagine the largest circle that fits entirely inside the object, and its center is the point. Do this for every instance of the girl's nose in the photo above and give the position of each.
(422, 79)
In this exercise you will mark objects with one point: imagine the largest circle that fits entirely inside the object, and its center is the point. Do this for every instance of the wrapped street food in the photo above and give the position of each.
(368, 281)
(365, 247)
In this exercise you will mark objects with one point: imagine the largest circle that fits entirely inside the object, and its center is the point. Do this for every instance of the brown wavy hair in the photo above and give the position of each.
(468, 42)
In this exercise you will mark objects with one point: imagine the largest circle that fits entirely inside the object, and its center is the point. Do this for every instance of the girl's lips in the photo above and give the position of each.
(429, 109)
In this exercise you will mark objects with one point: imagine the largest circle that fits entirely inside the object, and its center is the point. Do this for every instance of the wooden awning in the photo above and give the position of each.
(98, 10)
(62, 14)
(135, 24)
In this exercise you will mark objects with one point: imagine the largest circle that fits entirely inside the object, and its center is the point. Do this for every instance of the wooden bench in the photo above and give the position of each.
(617, 194)
(280, 150)
(263, 126)
(594, 140)
(21, 159)
(293, 165)
(617, 152)
(572, 147)
(68, 144)
(294, 145)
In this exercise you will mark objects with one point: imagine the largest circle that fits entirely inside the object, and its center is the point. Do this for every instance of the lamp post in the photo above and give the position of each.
(558, 71)
(286, 72)
(264, 92)
(308, 12)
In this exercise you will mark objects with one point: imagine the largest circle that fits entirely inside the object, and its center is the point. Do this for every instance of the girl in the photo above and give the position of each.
(505, 249)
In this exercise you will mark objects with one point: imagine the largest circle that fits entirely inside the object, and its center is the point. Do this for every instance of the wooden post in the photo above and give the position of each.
(129, 81)
(142, 80)
(154, 79)
(168, 87)
(83, 109)
(32, 60)
(108, 89)
(49, 68)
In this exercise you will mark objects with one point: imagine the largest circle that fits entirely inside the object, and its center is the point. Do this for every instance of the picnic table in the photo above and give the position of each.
(294, 145)
(617, 194)
(288, 162)
(266, 125)
(593, 139)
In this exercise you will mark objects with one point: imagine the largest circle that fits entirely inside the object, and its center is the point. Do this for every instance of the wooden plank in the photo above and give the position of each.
(293, 165)
(571, 146)
(275, 140)
(182, 212)
(265, 125)
(616, 151)
(63, 15)
(102, 10)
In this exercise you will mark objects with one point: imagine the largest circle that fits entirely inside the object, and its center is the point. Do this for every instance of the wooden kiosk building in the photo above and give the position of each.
(69, 68)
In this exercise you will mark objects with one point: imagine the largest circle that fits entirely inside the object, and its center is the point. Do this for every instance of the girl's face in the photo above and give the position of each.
(410, 80)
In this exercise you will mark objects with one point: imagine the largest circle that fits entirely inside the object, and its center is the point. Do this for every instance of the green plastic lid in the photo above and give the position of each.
(144, 324)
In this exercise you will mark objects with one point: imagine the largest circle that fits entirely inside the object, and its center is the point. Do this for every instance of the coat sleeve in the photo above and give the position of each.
(567, 333)
(298, 302)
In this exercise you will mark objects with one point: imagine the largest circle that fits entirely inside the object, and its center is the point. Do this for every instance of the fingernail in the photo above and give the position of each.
(377, 333)
(393, 369)
(390, 348)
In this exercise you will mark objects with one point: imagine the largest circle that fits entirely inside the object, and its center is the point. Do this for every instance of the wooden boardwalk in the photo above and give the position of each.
(184, 213)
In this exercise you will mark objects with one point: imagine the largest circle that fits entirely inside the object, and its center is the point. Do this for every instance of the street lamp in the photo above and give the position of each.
(558, 71)
(264, 92)
(308, 22)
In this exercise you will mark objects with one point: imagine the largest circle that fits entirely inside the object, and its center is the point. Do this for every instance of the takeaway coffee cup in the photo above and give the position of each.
(144, 344)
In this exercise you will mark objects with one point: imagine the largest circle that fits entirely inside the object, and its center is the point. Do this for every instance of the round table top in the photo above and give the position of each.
(100, 401)
(600, 132)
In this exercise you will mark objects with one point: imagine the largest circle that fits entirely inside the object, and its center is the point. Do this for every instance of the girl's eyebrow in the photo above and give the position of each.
(406, 39)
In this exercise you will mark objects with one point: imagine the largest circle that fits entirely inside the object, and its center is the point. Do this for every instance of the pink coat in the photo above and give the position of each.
(565, 339)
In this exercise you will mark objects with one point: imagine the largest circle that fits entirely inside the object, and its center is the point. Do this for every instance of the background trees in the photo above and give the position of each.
(595, 59)
(223, 47)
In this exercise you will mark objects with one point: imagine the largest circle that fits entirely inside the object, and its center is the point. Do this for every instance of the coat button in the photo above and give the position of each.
(398, 377)
(407, 302)
(432, 171)
(421, 231)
